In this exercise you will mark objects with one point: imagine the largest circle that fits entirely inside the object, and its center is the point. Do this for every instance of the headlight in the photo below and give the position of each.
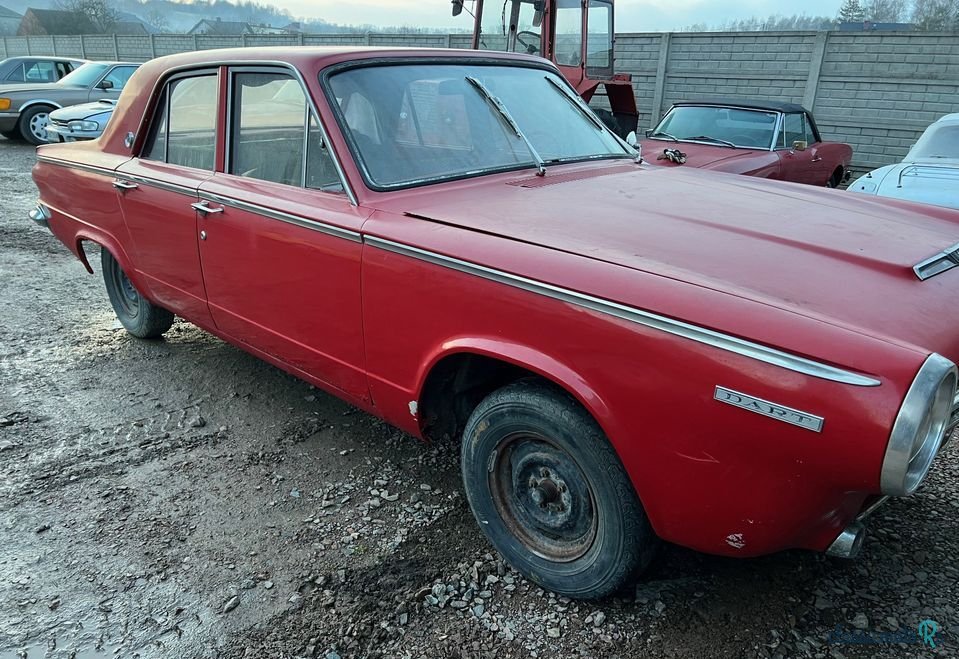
(83, 125)
(4, 103)
(920, 427)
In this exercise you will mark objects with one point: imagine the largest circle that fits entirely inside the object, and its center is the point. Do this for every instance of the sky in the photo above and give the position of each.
(631, 15)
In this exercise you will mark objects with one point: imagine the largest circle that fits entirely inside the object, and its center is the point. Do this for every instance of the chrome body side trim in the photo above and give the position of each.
(647, 319)
(770, 409)
(75, 165)
(322, 227)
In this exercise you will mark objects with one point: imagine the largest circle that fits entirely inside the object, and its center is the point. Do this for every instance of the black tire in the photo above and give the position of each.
(11, 134)
(31, 122)
(138, 315)
(836, 179)
(550, 493)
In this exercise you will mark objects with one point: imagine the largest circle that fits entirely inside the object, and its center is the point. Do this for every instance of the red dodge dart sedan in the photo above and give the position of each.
(454, 242)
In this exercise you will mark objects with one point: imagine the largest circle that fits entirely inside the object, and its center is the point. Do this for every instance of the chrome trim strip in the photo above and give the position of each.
(945, 260)
(662, 323)
(156, 183)
(76, 165)
(768, 408)
(322, 227)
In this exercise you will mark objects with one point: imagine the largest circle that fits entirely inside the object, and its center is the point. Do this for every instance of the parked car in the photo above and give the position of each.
(454, 242)
(756, 138)
(25, 109)
(928, 174)
(80, 122)
(36, 69)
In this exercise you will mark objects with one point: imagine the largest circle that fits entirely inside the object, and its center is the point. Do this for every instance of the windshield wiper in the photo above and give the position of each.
(707, 138)
(576, 102)
(509, 121)
(666, 135)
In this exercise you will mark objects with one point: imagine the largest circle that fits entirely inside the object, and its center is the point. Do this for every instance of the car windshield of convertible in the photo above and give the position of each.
(414, 123)
(722, 126)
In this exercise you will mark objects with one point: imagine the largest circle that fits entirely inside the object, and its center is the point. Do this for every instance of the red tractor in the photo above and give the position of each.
(576, 35)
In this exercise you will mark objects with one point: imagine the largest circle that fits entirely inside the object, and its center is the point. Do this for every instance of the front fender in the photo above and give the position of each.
(39, 101)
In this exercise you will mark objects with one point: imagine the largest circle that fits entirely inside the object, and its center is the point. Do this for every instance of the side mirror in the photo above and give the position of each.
(105, 84)
(648, 131)
(633, 139)
(457, 7)
(800, 145)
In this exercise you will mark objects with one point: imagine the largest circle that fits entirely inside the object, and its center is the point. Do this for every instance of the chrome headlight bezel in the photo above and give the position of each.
(83, 125)
(920, 427)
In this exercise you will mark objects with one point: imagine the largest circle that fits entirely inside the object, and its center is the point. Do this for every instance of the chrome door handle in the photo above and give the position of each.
(120, 184)
(201, 207)
(817, 159)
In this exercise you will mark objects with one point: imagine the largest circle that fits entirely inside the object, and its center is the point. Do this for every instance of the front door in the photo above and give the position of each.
(111, 84)
(159, 188)
(280, 248)
(797, 164)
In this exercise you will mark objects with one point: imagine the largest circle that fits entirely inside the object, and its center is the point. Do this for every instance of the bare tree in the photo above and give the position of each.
(936, 14)
(157, 18)
(885, 11)
(100, 12)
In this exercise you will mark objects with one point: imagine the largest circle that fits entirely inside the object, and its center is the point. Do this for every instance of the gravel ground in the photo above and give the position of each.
(183, 499)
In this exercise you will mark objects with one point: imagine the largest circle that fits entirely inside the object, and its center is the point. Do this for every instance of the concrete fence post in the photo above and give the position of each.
(662, 71)
(815, 70)
(83, 47)
(302, 39)
(246, 41)
(5, 50)
(195, 44)
(116, 46)
(54, 39)
(369, 38)
(29, 50)
(449, 40)
(153, 44)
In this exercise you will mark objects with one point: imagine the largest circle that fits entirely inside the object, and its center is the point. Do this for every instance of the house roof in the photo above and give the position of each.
(130, 28)
(223, 27)
(55, 21)
(8, 13)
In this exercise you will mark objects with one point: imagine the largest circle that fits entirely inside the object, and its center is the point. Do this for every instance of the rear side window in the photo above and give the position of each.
(184, 127)
(40, 72)
(16, 75)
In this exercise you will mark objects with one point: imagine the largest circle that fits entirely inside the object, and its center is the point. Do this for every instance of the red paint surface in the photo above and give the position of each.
(812, 272)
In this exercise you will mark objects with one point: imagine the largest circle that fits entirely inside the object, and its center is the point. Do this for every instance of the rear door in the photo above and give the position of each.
(159, 189)
(281, 248)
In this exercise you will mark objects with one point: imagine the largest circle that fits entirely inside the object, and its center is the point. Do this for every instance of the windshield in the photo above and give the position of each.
(940, 141)
(85, 76)
(414, 123)
(719, 125)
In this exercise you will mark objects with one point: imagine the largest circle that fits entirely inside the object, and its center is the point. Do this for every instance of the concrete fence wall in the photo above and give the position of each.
(874, 90)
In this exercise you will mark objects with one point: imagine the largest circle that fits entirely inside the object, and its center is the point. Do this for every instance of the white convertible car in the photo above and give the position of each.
(929, 174)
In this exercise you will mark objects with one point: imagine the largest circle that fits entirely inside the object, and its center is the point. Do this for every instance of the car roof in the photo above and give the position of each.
(45, 58)
(750, 103)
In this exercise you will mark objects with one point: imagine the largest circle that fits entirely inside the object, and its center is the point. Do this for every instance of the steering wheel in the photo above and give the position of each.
(531, 49)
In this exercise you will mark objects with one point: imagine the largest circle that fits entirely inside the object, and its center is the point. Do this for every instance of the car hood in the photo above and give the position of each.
(82, 111)
(832, 256)
(46, 88)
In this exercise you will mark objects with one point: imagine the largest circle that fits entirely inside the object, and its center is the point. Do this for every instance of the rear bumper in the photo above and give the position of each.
(41, 215)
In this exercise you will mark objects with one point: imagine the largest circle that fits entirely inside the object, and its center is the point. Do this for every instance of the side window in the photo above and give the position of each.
(810, 135)
(39, 72)
(63, 68)
(794, 130)
(599, 37)
(118, 77)
(184, 127)
(569, 33)
(269, 128)
(16, 75)
(321, 173)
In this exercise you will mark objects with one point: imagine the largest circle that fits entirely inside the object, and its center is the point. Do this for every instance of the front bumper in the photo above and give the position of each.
(41, 215)
(8, 121)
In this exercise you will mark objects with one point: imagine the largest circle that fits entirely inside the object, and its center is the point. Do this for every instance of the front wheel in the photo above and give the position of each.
(550, 493)
(138, 315)
(11, 134)
(33, 124)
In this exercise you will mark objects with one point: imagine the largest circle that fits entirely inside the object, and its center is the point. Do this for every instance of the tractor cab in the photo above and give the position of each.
(576, 35)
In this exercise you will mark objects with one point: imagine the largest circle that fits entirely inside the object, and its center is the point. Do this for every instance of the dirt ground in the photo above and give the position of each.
(181, 498)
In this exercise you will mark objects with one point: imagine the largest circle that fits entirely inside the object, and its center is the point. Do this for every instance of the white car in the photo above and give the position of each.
(80, 122)
(929, 174)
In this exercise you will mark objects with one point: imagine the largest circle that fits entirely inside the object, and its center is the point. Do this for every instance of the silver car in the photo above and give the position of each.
(80, 122)
(25, 109)
(33, 69)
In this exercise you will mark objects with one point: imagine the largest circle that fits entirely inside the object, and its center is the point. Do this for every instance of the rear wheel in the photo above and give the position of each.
(550, 493)
(138, 315)
(33, 124)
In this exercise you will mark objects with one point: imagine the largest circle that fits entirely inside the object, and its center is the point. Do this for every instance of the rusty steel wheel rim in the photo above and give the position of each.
(543, 497)
(128, 298)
